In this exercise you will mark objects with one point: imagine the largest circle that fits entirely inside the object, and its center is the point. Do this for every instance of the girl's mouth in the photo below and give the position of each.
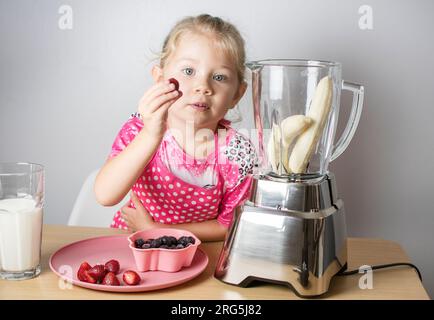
(200, 106)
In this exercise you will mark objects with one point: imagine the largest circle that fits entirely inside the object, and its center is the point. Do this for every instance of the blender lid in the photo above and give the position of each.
(292, 63)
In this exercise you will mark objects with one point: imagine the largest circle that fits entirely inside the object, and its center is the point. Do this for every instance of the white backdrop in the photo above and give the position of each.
(70, 76)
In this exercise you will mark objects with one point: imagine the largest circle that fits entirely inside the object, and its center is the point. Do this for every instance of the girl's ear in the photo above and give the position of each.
(239, 94)
(157, 73)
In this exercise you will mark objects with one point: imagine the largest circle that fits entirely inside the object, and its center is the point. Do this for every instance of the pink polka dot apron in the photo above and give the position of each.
(171, 200)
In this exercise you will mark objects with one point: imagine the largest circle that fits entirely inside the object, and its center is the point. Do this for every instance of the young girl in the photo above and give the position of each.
(185, 166)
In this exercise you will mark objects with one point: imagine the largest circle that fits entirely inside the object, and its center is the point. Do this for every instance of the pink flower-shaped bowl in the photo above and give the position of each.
(161, 259)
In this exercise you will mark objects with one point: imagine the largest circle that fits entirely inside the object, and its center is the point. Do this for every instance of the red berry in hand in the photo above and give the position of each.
(80, 273)
(131, 278)
(175, 82)
(110, 279)
(112, 266)
(97, 272)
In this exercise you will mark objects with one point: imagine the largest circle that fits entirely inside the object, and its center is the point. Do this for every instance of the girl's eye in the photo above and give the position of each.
(219, 77)
(188, 71)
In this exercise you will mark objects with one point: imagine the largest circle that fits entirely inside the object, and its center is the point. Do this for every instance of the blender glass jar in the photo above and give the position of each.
(296, 108)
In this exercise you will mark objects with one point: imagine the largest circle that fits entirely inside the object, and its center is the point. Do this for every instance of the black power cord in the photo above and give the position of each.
(348, 273)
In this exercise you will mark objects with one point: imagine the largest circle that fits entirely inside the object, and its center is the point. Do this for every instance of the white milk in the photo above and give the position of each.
(20, 234)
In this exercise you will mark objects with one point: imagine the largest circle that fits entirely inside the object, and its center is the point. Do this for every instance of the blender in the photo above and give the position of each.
(292, 228)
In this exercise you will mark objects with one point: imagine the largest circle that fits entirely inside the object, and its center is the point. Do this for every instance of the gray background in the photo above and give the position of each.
(65, 93)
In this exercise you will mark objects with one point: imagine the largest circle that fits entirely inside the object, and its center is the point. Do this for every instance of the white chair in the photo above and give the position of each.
(87, 211)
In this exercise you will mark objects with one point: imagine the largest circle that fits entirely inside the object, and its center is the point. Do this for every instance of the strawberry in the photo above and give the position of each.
(110, 279)
(97, 272)
(131, 278)
(112, 266)
(80, 273)
(175, 82)
(87, 277)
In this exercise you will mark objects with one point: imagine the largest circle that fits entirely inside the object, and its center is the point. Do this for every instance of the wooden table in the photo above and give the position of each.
(392, 283)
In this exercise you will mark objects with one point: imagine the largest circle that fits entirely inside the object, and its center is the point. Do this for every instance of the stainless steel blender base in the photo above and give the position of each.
(303, 249)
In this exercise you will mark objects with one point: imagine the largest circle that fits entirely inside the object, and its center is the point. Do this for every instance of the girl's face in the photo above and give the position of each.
(207, 78)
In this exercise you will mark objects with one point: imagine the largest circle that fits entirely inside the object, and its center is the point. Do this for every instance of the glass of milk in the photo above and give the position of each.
(21, 212)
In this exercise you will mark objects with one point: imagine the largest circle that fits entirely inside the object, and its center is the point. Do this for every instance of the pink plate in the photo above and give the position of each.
(66, 261)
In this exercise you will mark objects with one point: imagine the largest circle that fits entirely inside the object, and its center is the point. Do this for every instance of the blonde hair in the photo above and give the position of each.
(226, 34)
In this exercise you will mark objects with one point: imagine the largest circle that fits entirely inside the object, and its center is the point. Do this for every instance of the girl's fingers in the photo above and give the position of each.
(124, 218)
(157, 90)
(164, 88)
(158, 87)
(125, 208)
(139, 206)
(164, 108)
(134, 199)
(160, 101)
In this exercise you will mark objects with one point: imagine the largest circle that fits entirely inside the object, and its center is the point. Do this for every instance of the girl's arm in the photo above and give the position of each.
(210, 230)
(138, 218)
(119, 173)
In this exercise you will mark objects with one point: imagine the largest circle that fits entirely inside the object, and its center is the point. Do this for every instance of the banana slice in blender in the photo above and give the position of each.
(319, 111)
(290, 128)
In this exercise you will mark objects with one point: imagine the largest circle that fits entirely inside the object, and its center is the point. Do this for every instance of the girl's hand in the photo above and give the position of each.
(138, 218)
(154, 104)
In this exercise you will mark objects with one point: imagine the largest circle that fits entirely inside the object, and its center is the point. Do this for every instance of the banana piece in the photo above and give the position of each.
(319, 111)
(292, 127)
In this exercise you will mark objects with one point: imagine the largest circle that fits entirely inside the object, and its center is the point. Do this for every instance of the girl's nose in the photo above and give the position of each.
(203, 87)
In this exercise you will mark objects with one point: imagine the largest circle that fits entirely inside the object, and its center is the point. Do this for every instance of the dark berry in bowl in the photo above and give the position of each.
(156, 243)
(165, 242)
(172, 241)
(139, 243)
(191, 240)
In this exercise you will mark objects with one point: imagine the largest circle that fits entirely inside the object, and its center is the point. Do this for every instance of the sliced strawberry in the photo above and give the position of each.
(85, 266)
(110, 279)
(97, 272)
(80, 273)
(131, 278)
(112, 266)
(88, 278)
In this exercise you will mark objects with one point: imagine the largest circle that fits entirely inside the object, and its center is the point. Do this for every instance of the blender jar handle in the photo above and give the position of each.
(353, 121)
